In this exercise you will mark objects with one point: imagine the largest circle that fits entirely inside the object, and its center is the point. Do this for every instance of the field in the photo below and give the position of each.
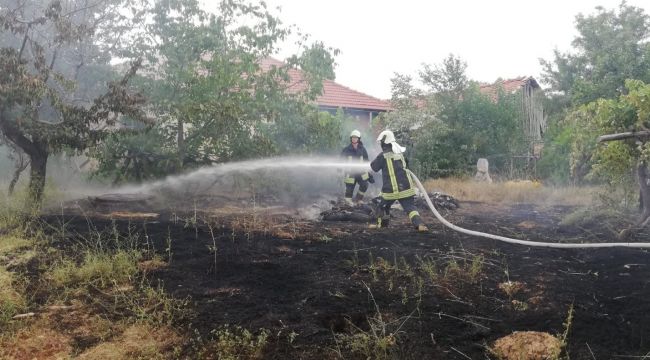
(220, 279)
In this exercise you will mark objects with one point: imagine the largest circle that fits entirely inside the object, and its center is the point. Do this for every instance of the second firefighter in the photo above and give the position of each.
(355, 152)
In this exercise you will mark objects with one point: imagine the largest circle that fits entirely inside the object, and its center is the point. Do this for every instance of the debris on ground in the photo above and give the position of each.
(365, 212)
(440, 200)
(119, 202)
(342, 211)
(133, 215)
(529, 345)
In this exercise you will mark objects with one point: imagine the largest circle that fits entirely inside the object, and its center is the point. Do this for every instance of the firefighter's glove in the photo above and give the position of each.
(371, 179)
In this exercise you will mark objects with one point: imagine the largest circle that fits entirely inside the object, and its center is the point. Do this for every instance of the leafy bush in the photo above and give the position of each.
(446, 138)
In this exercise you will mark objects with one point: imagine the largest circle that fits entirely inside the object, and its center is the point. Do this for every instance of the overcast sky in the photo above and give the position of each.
(498, 38)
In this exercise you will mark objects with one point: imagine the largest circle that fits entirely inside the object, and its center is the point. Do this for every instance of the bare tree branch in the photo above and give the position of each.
(625, 135)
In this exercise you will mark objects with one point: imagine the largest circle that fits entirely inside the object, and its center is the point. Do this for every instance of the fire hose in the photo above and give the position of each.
(518, 241)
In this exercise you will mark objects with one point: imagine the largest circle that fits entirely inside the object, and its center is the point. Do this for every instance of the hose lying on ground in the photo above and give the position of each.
(517, 241)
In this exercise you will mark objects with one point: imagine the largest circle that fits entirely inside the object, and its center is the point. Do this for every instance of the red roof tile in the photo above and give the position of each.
(334, 94)
(509, 86)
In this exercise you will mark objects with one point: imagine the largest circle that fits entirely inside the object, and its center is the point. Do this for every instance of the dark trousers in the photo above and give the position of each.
(349, 189)
(408, 204)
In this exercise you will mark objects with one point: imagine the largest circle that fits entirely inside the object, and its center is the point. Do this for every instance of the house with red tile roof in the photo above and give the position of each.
(531, 97)
(335, 96)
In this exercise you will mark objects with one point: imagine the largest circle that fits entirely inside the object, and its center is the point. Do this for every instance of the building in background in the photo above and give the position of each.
(531, 98)
(362, 107)
(533, 119)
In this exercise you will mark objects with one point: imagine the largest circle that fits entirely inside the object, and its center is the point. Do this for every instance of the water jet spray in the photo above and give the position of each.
(181, 181)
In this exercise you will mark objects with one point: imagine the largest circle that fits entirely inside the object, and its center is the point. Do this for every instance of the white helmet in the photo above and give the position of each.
(355, 133)
(386, 136)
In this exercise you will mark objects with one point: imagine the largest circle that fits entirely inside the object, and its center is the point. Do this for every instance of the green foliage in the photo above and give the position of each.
(150, 304)
(613, 163)
(137, 155)
(611, 47)
(369, 345)
(555, 164)
(307, 130)
(215, 97)
(452, 124)
(55, 70)
(235, 342)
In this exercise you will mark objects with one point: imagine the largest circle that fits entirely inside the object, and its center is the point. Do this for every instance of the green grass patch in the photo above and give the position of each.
(9, 243)
(234, 343)
(98, 269)
(11, 301)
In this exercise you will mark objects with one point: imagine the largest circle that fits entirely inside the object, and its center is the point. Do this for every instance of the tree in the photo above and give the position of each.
(214, 98)
(447, 82)
(450, 124)
(56, 86)
(629, 112)
(611, 46)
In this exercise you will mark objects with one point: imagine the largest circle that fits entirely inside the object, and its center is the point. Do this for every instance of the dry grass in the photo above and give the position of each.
(280, 226)
(9, 243)
(11, 301)
(513, 192)
(529, 345)
(511, 288)
(36, 342)
(129, 215)
(152, 264)
(80, 321)
(139, 341)
(41, 340)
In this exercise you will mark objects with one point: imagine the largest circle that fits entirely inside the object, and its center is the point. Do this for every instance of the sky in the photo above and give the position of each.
(497, 38)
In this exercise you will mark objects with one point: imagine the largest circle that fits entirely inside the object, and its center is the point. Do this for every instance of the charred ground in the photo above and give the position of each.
(332, 289)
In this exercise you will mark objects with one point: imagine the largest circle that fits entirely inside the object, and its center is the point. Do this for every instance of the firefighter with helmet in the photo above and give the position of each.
(356, 152)
(397, 184)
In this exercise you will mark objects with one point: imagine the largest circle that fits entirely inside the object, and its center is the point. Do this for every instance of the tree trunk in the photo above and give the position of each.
(20, 167)
(642, 174)
(38, 168)
(181, 143)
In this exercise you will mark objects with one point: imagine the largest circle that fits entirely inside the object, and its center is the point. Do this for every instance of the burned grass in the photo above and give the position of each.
(238, 285)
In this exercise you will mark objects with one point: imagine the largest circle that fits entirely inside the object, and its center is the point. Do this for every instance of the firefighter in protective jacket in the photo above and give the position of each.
(356, 152)
(397, 183)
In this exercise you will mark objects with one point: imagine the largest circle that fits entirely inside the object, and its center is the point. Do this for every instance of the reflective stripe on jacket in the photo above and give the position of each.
(355, 155)
(397, 183)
